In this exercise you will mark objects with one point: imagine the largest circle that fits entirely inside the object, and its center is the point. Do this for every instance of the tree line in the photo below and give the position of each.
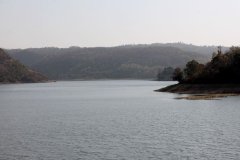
(223, 68)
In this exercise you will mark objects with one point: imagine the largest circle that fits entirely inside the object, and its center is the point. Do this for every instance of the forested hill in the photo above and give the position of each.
(129, 61)
(11, 71)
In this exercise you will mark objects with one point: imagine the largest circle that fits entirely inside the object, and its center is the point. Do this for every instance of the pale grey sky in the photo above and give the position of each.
(87, 23)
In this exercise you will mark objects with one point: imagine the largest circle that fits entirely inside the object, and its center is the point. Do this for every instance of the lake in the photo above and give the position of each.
(117, 119)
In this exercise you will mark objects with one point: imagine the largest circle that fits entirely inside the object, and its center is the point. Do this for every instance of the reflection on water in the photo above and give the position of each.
(114, 120)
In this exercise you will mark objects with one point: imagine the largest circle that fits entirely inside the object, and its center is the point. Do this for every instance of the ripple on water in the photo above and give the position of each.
(114, 120)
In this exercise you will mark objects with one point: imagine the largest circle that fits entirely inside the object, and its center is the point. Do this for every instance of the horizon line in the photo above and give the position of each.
(120, 45)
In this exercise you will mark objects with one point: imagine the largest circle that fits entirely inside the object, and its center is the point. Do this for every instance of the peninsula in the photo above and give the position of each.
(219, 77)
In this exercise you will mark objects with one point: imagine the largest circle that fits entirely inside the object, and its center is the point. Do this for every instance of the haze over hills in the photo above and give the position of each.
(128, 61)
(11, 71)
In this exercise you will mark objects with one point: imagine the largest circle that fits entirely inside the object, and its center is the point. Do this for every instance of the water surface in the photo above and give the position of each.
(114, 120)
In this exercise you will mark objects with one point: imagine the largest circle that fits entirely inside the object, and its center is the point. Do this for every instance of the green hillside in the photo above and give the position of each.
(12, 71)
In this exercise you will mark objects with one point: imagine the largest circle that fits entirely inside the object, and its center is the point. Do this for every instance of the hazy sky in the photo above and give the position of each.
(63, 23)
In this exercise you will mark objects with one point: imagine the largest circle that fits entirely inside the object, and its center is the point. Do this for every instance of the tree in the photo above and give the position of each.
(193, 70)
(178, 75)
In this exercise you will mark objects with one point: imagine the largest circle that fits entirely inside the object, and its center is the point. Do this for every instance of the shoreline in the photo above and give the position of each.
(202, 91)
(19, 82)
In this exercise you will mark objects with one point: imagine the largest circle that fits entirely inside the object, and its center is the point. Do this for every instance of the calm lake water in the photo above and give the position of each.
(114, 120)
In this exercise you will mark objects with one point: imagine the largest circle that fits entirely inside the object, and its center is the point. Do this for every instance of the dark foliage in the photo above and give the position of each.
(223, 68)
(178, 75)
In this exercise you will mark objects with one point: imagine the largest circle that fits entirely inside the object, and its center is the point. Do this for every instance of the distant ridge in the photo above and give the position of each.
(120, 62)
